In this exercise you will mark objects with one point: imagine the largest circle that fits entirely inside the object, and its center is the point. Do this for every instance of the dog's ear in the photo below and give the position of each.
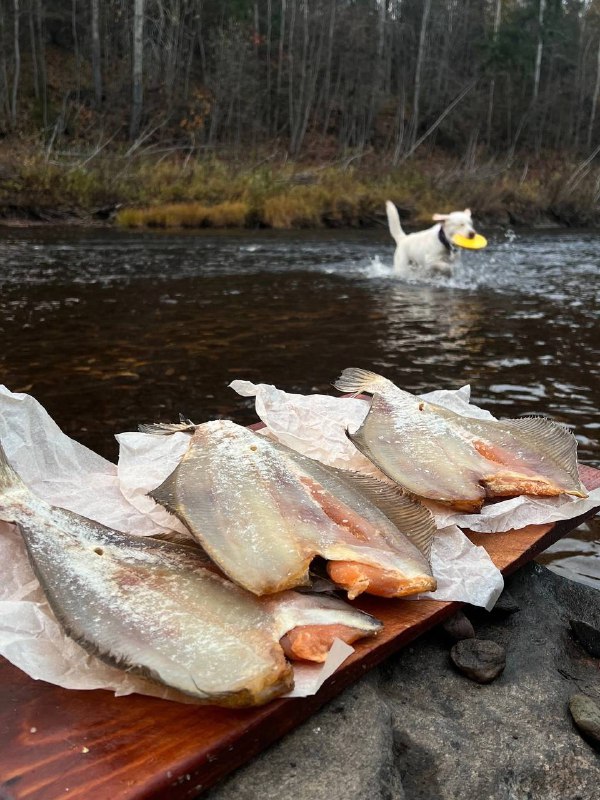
(467, 211)
(440, 217)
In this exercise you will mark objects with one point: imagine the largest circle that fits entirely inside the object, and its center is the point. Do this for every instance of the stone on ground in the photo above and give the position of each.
(480, 660)
(414, 728)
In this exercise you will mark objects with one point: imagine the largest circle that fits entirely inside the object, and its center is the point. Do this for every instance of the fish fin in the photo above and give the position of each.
(557, 440)
(165, 494)
(8, 477)
(356, 380)
(167, 428)
(411, 518)
(359, 440)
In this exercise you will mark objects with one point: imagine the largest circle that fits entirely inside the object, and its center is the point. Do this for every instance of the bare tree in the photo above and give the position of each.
(43, 82)
(4, 96)
(137, 72)
(590, 130)
(34, 64)
(497, 18)
(539, 49)
(96, 64)
(418, 69)
(17, 65)
(75, 46)
(356, 73)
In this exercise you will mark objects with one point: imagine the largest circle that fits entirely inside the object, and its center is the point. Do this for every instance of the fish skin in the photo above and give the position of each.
(152, 608)
(460, 461)
(263, 512)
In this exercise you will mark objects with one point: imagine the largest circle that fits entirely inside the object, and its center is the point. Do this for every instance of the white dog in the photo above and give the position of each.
(430, 250)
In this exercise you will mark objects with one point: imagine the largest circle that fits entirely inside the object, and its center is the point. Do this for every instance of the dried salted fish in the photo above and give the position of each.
(438, 454)
(153, 608)
(263, 512)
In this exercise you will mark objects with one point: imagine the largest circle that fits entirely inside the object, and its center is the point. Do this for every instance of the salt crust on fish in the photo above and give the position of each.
(440, 455)
(263, 512)
(153, 608)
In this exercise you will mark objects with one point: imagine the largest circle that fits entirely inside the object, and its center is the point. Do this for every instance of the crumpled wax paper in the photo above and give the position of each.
(67, 474)
(315, 425)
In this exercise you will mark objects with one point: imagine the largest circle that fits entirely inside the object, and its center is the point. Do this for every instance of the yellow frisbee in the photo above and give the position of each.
(476, 243)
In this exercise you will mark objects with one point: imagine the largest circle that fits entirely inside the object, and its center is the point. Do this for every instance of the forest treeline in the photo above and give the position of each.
(320, 79)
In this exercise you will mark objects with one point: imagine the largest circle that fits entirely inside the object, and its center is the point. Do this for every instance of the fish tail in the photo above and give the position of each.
(355, 380)
(12, 490)
(8, 477)
(166, 428)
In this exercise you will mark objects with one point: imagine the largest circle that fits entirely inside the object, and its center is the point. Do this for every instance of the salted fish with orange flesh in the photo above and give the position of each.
(460, 461)
(262, 512)
(153, 608)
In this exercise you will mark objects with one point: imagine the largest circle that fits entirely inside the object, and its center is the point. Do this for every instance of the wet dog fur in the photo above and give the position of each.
(430, 251)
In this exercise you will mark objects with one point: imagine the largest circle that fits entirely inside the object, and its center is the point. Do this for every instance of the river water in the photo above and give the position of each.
(109, 328)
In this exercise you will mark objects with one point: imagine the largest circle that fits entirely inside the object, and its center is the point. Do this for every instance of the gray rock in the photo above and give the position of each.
(480, 660)
(459, 627)
(417, 724)
(344, 752)
(506, 604)
(587, 635)
(586, 714)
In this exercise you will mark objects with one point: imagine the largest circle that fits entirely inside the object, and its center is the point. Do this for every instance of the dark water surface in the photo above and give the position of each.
(107, 328)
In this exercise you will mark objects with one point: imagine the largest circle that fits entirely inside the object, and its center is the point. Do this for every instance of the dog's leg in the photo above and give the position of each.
(401, 261)
(442, 266)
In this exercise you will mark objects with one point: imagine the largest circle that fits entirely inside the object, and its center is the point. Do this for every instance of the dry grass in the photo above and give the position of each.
(209, 192)
(186, 215)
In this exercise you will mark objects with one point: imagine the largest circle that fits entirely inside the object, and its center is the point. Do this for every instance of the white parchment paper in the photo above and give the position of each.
(315, 425)
(64, 473)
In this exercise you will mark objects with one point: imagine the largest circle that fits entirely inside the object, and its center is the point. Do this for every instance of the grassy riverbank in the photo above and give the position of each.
(158, 191)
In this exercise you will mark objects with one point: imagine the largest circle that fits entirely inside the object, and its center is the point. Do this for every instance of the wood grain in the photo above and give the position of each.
(57, 743)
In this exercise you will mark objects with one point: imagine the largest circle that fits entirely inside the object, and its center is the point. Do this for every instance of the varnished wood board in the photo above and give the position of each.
(57, 743)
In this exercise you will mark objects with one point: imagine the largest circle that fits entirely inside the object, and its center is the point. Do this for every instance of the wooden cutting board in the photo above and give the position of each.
(89, 745)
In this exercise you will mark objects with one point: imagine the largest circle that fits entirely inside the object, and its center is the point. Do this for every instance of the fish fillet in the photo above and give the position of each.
(263, 512)
(460, 461)
(153, 608)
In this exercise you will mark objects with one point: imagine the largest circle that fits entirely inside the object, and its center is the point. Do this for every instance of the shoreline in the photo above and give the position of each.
(55, 218)
(149, 193)
(91, 222)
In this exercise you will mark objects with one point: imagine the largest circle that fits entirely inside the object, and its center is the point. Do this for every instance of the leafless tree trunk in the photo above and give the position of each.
(327, 78)
(300, 109)
(42, 61)
(34, 64)
(201, 40)
(291, 68)
(137, 73)
(4, 96)
(96, 64)
(378, 76)
(172, 46)
(76, 48)
(590, 130)
(418, 68)
(279, 66)
(441, 117)
(497, 18)
(539, 50)
(17, 69)
(399, 139)
(268, 65)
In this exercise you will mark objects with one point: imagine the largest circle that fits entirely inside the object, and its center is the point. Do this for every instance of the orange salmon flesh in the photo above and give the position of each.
(358, 578)
(313, 642)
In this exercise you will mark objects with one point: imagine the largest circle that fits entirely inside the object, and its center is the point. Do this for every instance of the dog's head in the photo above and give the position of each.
(457, 222)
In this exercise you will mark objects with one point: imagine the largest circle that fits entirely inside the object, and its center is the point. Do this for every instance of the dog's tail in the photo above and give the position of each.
(394, 222)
